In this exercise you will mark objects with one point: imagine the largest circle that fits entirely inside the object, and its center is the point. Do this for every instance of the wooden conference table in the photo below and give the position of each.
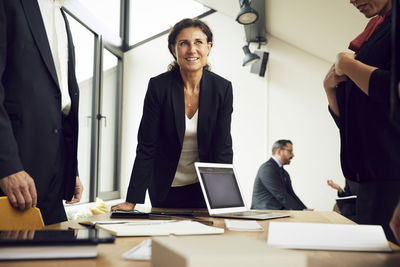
(110, 254)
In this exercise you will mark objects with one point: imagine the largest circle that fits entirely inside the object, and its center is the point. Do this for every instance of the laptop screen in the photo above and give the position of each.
(222, 190)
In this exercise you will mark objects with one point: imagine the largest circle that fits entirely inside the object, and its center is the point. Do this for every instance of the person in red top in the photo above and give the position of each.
(358, 91)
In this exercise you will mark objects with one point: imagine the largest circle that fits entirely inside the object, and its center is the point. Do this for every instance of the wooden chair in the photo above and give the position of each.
(13, 219)
(336, 208)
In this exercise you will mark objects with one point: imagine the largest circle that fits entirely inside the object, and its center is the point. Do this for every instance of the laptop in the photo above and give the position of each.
(222, 193)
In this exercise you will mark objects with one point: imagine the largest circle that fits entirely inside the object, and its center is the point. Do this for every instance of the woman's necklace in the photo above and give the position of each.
(188, 98)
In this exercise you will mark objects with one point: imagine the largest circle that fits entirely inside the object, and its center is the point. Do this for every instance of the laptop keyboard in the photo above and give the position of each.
(245, 213)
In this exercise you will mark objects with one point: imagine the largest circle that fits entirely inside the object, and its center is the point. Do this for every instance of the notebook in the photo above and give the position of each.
(222, 193)
(51, 244)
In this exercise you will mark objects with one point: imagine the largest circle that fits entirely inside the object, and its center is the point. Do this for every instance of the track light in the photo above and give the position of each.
(247, 15)
(249, 58)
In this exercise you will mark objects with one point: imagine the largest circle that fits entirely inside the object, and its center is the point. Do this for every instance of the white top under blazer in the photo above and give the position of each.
(185, 172)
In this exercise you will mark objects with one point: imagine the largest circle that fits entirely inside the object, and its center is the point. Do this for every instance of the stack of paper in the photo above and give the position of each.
(242, 225)
(160, 227)
(324, 236)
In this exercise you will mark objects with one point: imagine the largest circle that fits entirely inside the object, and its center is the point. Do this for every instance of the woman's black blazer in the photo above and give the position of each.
(162, 130)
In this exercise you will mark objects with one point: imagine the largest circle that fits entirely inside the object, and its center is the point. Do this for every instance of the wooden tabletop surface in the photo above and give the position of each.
(110, 254)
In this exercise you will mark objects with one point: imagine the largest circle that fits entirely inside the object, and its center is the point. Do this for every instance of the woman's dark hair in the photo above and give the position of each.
(178, 27)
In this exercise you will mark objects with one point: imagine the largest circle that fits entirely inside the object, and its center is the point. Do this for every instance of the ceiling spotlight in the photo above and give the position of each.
(249, 58)
(247, 14)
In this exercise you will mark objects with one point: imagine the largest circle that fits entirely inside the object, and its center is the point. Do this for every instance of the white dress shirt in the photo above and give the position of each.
(58, 41)
(186, 173)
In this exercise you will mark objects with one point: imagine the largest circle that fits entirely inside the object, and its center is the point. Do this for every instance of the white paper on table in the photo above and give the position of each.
(348, 197)
(139, 252)
(243, 225)
(160, 227)
(321, 236)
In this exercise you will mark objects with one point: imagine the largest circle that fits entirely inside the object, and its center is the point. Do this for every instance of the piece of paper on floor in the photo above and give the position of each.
(242, 225)
(139, 252)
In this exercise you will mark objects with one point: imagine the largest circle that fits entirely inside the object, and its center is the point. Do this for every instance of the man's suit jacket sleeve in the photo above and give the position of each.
(9, 158)
(271, 179)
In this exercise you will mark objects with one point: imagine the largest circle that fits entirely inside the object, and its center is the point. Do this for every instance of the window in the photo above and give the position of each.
(109, 128)
(148, 18)
(84, 57)
(105, 11)
(99, 79)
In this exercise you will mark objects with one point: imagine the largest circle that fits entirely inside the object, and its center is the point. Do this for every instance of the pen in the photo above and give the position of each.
(195, 219)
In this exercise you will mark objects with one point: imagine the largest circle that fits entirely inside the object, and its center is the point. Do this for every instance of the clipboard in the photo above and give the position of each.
(14, 219)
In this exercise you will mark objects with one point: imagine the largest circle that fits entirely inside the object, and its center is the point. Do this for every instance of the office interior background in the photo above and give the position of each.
(121, 44)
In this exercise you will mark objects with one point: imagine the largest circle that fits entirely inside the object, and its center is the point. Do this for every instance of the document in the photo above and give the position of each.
(139, 252)
(160, 228)
(243, 225)
(348, 197)
(321, 236)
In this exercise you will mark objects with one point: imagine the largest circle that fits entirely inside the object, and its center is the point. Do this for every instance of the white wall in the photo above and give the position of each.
(288, 103)
(298, 110)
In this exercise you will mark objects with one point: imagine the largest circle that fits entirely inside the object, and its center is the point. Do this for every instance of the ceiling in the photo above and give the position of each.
(320, 27)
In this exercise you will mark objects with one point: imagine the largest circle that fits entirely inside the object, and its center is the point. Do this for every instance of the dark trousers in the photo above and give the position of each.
(182, 197)
(376, 202)
(51, 205)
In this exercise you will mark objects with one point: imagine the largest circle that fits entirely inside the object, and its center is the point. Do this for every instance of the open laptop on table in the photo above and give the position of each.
(222, 193)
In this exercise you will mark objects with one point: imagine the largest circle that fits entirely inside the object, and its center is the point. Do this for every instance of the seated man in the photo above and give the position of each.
(272, 187)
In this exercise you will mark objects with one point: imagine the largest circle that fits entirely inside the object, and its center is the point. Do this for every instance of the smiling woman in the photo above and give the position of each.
(186, 118)
(191, 50)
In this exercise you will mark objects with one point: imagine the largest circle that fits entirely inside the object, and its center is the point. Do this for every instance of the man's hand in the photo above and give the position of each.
(17, 235)
(125, 206)
(77, 193)
(395, 223)
(20, 189)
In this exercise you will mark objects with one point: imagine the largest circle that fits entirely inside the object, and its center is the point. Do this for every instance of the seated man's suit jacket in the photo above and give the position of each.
(273, 189)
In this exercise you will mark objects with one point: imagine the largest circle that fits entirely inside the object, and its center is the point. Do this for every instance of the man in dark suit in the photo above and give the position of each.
(272, 187)
(38, 108)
